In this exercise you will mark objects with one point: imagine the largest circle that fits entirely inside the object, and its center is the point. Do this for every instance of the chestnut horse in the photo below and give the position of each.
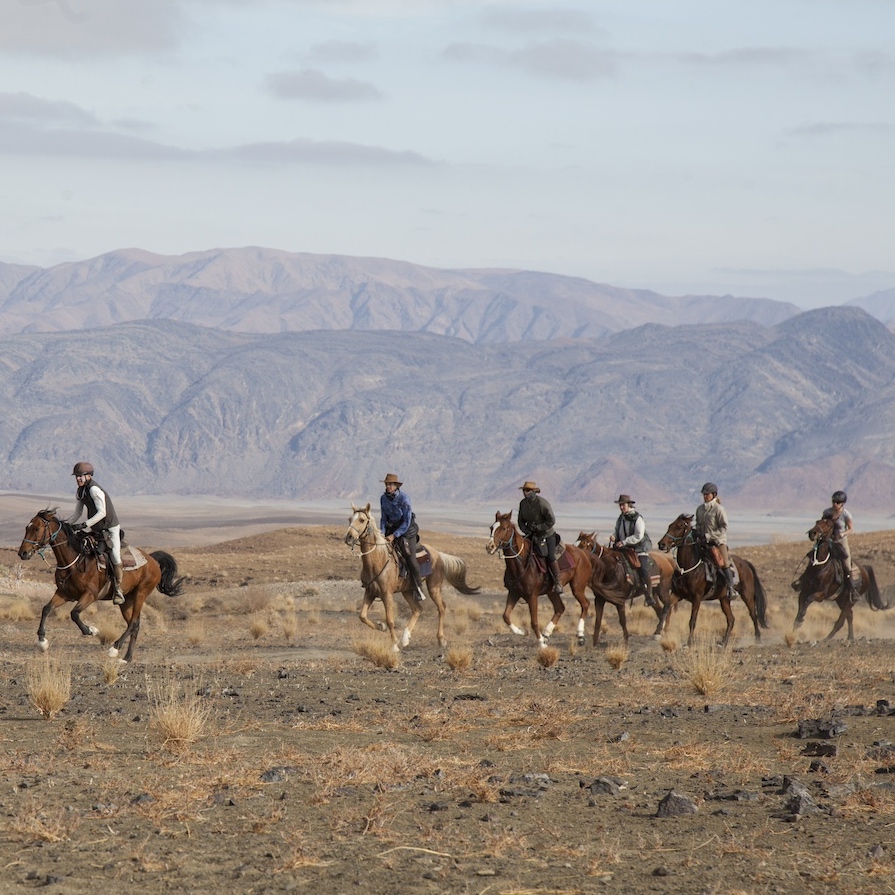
(381, 577)
(525, 580)
(820, 581)
(691, 581)
(610, 583)
(80, 580)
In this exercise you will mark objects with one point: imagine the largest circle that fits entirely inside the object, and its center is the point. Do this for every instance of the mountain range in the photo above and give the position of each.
(778, 410)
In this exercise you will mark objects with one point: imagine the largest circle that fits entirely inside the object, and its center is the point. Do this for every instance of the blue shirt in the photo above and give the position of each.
(396, 513)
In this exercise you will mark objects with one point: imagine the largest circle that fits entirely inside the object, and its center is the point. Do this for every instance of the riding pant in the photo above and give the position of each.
(112, 538)
(406, 545)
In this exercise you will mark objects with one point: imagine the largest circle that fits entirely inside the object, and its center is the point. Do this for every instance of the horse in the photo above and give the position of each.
(381, 577)
(820, 582)
(524, 579)
(80, 580)
(691, 581)
(610, 584)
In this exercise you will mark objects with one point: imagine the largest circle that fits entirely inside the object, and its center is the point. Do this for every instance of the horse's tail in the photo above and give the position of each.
(761, 599)
(455, 572)
(170, 585)
(874, 597)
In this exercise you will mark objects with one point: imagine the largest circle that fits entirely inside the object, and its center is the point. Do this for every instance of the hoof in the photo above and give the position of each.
(113, 653)
(92, 631)
(43, 645)
(382, 626)
(581, 640)
(405, 638)
(544, 640)
(395, 648)
(517, 631)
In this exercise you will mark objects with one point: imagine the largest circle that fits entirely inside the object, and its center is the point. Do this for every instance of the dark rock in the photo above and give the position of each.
(278, 775)
(607, 786)
(818, 767)
(439, 806)
(676, 805)
(620, 737)
(814, 728)
(800, 804)
(661, 871)
(822, 750)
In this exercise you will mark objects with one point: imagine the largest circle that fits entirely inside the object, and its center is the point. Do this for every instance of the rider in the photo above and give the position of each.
(630, 534)
(711, 527)
(398, 524)
(842, 525)
(101, 519)
(536, 520)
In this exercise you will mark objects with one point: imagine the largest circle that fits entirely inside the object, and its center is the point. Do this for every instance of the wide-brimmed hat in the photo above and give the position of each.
(530, 486)
(626, 498)
(392, 479)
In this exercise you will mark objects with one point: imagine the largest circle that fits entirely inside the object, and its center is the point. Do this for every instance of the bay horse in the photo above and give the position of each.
(691, 581)
(80, 580)
(381, 577)
(525, 580)
(610, 583)
(820, 581)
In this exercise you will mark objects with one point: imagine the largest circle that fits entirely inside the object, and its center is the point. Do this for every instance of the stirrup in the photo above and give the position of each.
(118, 598)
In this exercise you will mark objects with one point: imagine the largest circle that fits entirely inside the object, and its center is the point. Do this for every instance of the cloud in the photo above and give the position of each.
(341, 51)
(25, 139)
(25, 107)
(833, 128)
(311, 84)
(746, 57)
(539, 21)
(561, 59)
(87, 28)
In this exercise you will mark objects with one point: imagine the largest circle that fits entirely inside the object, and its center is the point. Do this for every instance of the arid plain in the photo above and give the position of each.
(255, 745)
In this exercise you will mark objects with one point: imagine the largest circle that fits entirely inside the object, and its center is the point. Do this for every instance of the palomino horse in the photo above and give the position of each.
(525, 580)
(691, 582)
(610, 583)
(80, 580)
(820, 582)
(381, 576)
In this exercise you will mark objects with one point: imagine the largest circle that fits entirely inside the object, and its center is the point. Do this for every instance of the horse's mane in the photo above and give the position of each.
(378, 536)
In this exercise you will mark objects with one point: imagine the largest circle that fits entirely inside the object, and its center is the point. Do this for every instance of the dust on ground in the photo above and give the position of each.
(317, 770)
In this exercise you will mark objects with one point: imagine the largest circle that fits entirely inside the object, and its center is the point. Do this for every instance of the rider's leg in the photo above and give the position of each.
(113, 542)
(553, 565)
(847, 571)
(645, 579)
(408, 550)
(727, 571)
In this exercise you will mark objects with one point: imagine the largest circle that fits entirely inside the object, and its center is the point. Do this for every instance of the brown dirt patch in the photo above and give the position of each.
(318, 771)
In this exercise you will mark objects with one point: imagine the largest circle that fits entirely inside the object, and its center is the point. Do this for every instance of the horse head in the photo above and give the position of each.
(677, 531)
(358, 524)
(822, 530)
(502, 532)
(587, 541)
(41, 531)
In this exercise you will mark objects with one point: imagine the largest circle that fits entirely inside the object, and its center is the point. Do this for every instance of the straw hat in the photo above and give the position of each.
(530, 486)
(392, 479)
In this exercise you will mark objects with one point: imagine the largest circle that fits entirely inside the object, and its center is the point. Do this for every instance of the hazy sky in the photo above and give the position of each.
(694, 146)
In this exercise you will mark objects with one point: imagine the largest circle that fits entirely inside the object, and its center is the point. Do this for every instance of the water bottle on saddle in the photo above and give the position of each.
(536, 521)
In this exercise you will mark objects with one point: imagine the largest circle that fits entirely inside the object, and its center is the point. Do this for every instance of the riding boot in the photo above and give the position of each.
(557, 579)
(118, 572)
(728, 575)
(646, 584)
(850, 587)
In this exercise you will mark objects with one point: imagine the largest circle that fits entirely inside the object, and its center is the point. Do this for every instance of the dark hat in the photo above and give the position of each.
(392, 479)
(709, 488)
(82, 468)
(530, 486)
(626, 498)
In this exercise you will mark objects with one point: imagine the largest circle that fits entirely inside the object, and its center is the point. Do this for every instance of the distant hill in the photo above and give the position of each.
(777, 415)
(880, 304)
(257, 290)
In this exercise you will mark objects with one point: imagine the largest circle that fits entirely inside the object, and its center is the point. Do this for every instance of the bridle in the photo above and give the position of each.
(678, 541)
(507, 544)
(822, 539)
(358, 534)
(47, 540)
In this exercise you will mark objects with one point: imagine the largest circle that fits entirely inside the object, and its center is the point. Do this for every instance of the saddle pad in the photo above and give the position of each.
(565, 560)
(130, 558)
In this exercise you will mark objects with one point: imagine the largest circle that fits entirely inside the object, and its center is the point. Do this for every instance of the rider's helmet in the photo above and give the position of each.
(82, 468)
(839, 497)
(709, 488)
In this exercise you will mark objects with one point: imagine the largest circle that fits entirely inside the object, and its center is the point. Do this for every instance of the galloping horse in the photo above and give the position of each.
(610, 584)
(691, 582)
(525, 580)
(381, 576)
(820, 582)
(80, 580)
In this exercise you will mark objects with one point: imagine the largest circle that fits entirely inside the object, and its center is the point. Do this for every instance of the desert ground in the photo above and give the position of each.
(260, 742)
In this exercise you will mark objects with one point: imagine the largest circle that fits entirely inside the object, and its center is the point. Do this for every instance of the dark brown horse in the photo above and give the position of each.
(692, 581)
(526, 580)
(822, 581)
(611, 583)
(80, 580)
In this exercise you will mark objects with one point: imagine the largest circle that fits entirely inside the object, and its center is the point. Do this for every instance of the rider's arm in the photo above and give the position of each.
(403, 503)
(637, 537)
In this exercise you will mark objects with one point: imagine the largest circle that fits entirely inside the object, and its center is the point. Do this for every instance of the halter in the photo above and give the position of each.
(593, 549)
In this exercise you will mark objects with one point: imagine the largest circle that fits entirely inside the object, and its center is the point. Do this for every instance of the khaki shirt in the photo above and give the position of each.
(711, 521)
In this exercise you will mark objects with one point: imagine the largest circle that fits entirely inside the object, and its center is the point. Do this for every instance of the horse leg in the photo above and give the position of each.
(56, 601)
(599, 604)
(728, 614)
(435, 595)
(533, 619)
(86, 600)
(581, 596)
(694, 614)
(365, 608)
(130, 612)
(558, 609)
(508, 613)
(845, 615)
(415, 612)
(623, 619)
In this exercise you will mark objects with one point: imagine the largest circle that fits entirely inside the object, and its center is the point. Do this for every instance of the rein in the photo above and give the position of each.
(680, 541)
(388, 547)
(822, 562)
(46, 542)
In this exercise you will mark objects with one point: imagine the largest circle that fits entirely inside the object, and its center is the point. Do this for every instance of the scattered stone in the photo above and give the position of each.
(282, 674)
(822, 750)
(882, 750)
(620, 737)
(230, 691)
(144, 798)
(439, 806)
(278, 775)
(800, 804)
(818, 767)
(876, 853)
(884, 707)
(661, 871)
(817, 729)
(607, 786)
(676, 805)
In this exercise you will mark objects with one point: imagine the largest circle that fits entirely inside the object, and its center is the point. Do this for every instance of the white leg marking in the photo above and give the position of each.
(549, 629)
(517, 630)
(43, 644)
(405, 637)
(113, 653)
(93, 630)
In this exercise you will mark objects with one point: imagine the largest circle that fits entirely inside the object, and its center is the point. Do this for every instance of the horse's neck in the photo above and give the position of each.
(374, 550)
(688, 553)
(62, 549)
(515, 552)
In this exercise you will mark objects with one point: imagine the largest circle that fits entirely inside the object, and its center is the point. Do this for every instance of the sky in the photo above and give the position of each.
(700, 146)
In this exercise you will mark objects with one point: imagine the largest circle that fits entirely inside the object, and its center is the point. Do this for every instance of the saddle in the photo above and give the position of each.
(631, 576)
(563, 559)
(423, 558)
(94, 546)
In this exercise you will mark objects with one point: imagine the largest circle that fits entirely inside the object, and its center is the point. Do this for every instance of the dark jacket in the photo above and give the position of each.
(536, 517)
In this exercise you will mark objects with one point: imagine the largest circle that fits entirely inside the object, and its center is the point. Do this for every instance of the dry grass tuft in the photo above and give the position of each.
(111, 669)
(289, 626)
(706, 665)
(259, 628)
(177, 711)
(33, 823)
(15, 608)
(48, 684)
(459, 658)
(76, 734)
(548, 656)
(617, 655)
(108, 628)
(790, 639)
(378, 650)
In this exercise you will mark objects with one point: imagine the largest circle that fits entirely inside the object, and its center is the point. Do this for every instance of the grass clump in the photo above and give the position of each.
(177, 711)
(379, 651)
(48, 684)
